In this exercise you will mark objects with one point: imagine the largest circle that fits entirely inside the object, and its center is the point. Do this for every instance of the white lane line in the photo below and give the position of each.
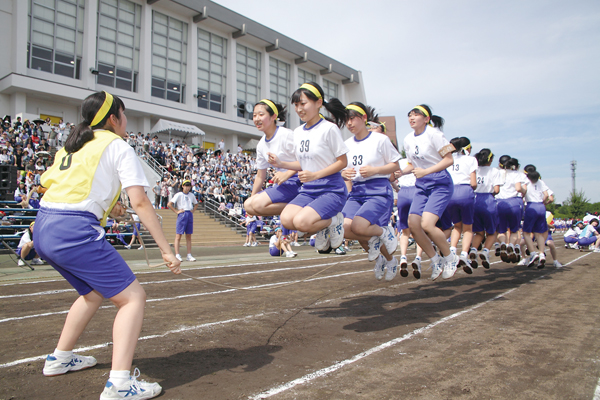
(179, 330)
(597, 391)
(332, 368)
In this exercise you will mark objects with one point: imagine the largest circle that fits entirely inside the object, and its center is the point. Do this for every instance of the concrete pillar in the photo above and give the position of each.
(88, 57)
(145, 74)
(19, 37)
(18, 103)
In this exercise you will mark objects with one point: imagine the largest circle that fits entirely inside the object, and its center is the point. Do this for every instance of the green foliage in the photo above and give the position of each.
(577, 205)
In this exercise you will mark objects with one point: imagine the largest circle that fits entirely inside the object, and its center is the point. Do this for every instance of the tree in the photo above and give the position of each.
(577, 204)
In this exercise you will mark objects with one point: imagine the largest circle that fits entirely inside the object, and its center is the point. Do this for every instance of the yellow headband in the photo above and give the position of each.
(311, 89)
(490, 156)
(108, 101)
(422, 109)
(356, 108)
(271, 105)
(383, 126)
(468, 147)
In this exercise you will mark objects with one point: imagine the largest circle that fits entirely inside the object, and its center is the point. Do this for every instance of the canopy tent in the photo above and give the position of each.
(166, 126)
(251, 145)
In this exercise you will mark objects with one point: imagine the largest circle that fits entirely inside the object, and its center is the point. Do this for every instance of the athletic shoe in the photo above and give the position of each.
(403, 267)
(533, 260)
(437, 268)
(557, 264)
(518, 253)
(503, 253)
(389, 239)
(466, 264)
(336, 230)
(254, 244)
(473, 258)
(379, 268)
(542, 262)
(527, 252)
(374, 248)
(190, 258)
(132, 389)
(21, 263)
(450, 267)
(322, 239)
(497, 246)
(37, 261)
(340, 251)
(290, 254)
(141, 248)
(510, 254)
(485, 259)
(246, 244)
(56, 366)
(523, 261)
(128, 247)
(416, 265)
(597, 250)
(178, 256)
(296, 244)
(391, 268)
(411, 241)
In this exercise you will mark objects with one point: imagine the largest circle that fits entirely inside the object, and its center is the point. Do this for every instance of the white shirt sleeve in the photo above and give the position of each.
(336, 142)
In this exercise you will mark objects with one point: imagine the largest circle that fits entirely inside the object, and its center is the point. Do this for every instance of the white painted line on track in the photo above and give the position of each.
(597, 391)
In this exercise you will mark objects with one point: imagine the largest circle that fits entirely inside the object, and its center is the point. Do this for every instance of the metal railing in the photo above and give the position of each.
(211, 206)
(151, 161)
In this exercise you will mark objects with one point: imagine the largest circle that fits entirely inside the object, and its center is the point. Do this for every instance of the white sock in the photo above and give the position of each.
(435, 259)
(118, 378)
(452, 249)
(464, 254)
(417, 258)
(189, 254)
(62, 354)
(449, 257)
(178, 255)
(485, 250)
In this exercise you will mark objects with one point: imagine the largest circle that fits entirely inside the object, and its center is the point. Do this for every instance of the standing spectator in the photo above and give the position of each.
(156, 191)
(184, 204)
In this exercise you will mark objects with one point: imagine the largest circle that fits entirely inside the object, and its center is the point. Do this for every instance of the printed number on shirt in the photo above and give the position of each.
(357, 160)
(455, 167)
(480, 180)
(304, 146)
(66, 162)
(416, 150)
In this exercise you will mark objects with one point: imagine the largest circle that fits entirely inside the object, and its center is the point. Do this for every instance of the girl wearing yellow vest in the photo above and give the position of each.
(83, 185)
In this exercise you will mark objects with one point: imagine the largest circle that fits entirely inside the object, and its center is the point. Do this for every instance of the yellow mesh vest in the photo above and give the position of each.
(69, 179)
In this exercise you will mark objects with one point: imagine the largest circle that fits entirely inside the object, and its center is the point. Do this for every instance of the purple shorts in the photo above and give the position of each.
(433, 193)
(376, 209)
(445, 221)
(251, 228)
(30, 256)
(509, 214)
(461, 204)
(275, 252)
(485, 215)
(74, 243)
(285, 231)
(185, 223)
(570, 239)
(285, 192)
(535, 218)
(405, 198)
(326, 205)
(587, 241)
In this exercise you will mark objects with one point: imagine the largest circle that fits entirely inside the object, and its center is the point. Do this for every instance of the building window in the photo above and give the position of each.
(330, 89)
(305, 77)
(56, 36)
(118, 43)
(212, 71)
(169, 57)
(280, 81)
(248, 78)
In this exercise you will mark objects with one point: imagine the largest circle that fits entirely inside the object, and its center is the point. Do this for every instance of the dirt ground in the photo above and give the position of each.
(505, 333)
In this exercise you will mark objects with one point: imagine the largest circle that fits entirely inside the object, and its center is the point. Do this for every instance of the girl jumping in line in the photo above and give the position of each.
(280, 141)
(82, 192)
(535, 219)
(321, 155)
(372, 158)
(429, 154)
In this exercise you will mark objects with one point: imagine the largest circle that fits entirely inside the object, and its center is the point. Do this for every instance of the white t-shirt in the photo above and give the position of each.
(118, 166)
(376, 150)
(318, 147)
(462, 168)
(508, 190)
(182, 201)
(535, 191)
(408, 179)
(272, 241)
(24, 239)
(422, 151)
(487, 178)
(281, 144)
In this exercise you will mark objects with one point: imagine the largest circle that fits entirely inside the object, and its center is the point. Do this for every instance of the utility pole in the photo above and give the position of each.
(573, 168)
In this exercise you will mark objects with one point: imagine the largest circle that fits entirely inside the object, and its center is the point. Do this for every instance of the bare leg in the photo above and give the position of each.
(188, 242)
(261, 204)
(308, 220)
(436, 234)
(467, 237)
(177, 242)
(80, 314)
(455, 235)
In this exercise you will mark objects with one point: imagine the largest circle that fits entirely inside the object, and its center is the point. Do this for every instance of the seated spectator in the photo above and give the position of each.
(26, 249)
(279, 244)
(572, 235)
(589, 236)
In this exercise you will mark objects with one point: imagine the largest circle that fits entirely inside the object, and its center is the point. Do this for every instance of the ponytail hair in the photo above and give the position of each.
(461, 144)
(533, 176)
(512, 164)
(484, 157)
(279, 108)
(91, 109)
(435, 120)
(529, 168)
(503, 160)
(314, 92)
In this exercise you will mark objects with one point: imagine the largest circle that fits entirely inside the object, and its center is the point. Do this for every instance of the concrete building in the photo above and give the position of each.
(188, 61)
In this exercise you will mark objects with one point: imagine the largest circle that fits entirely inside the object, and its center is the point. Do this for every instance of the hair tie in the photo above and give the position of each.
(490, 157)
(312, 89)
(108, 101)
(271, 105)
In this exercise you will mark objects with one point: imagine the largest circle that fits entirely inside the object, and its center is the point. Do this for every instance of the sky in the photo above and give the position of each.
(518, 77)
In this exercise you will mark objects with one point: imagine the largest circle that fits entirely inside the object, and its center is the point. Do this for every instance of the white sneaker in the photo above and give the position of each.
(557, 264)
(322, 239)
(403, 267)
(466, 265)
(374, 248)
(416, 265)
(128, 247)
(246, 244)
(21, 263)
(436, 268)
(389, 239)
(56, 366)
(523, 261)
(597, 250)
(391, 268)
(296, 244)
(473, 258)
(141, 248)
(190, 258)
(254, 244)
(178, 256)
(132, 389)
(542, 261)
(336, 231)
(37, 261)
(532, 260)
(450, 267)
(290, 254)
(485, 259)
(379, 268)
